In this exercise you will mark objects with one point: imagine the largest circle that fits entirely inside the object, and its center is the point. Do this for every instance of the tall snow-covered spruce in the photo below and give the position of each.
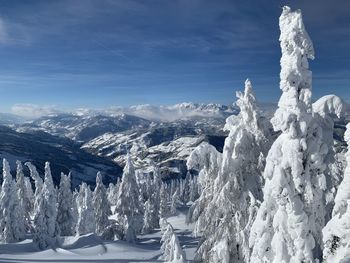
(128, 206)
(86, 215)
(12, 214)
(101, 205)
(289, 221)
(336, 234)
(65, 215)
(45, 226)
(230, 213)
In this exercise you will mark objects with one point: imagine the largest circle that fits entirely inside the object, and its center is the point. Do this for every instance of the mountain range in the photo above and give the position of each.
(87, 141)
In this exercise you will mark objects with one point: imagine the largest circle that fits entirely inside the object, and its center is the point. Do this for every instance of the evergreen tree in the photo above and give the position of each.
(175, 201)
(207, 160)
(230, 213)
(65, 216)
(128, 206)
(336, 234)
(38, 183)
(172, 251)
(148, 218)
(45, 228)
(185, 194)
(289, 221)
(86, 215)
(12, 215)
(101, 206)
(164, 209)
(23, 195)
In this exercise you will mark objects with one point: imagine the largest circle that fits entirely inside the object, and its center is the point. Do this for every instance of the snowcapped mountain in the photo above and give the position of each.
(84, 127)
(140, 130)
(63, 154)
(167, 144)
(162, 134)
(175, 112)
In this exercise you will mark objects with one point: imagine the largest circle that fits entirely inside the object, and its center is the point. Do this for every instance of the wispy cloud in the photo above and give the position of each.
(32, 110)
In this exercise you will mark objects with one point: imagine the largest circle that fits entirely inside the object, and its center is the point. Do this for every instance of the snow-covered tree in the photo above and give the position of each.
(30, 194)
(193, 190)
(38, 183)
(12, 215)
(128, 206)
(207, 160)
(230, 213)
(327, 109)
(101, 205)
(86, 215)
(23, 195)
(171, 248)
(148, 218)
(336, 234)
(185, 193)
(112, 193)
(65, 215)
(155, 197)
(175, 202)
(289, 221)
(45, 215)
(163, 209)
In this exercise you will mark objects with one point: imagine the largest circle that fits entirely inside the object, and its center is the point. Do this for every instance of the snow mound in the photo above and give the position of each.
(329, 105)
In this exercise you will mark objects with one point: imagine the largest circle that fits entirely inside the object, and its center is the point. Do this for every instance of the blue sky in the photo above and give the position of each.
(84, 53)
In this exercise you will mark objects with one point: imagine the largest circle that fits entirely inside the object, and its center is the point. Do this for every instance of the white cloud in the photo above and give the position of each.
(32, 110)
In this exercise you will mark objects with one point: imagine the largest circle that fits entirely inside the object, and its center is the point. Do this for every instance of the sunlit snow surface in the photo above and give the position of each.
(90, 248)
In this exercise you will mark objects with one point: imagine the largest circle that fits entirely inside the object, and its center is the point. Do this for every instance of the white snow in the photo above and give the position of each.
(90, 248)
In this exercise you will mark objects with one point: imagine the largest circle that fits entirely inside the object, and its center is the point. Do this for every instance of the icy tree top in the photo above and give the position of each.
(247, 104)
(296, 79)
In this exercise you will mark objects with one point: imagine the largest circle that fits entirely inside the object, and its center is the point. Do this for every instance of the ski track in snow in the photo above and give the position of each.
(90, 248)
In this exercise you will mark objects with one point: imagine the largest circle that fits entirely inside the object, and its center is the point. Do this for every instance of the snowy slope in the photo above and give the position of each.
(84, 127)
(63, 155)
(90, 248)
(166, 144)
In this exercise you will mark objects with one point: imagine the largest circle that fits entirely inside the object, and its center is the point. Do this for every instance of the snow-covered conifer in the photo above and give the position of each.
(175, 202)
(45, 226)
(86, 215)
(65, 215)
(12, 216)
(101, 205)
(23, 195)
(185, 193)
(289, 221)
(148, 218)
(128, 206)
(336, 234)
(112, 193)
(207, 160)
(163, 209)
(230, 213)
(38, 183)
(193, 190)
(171, 248)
